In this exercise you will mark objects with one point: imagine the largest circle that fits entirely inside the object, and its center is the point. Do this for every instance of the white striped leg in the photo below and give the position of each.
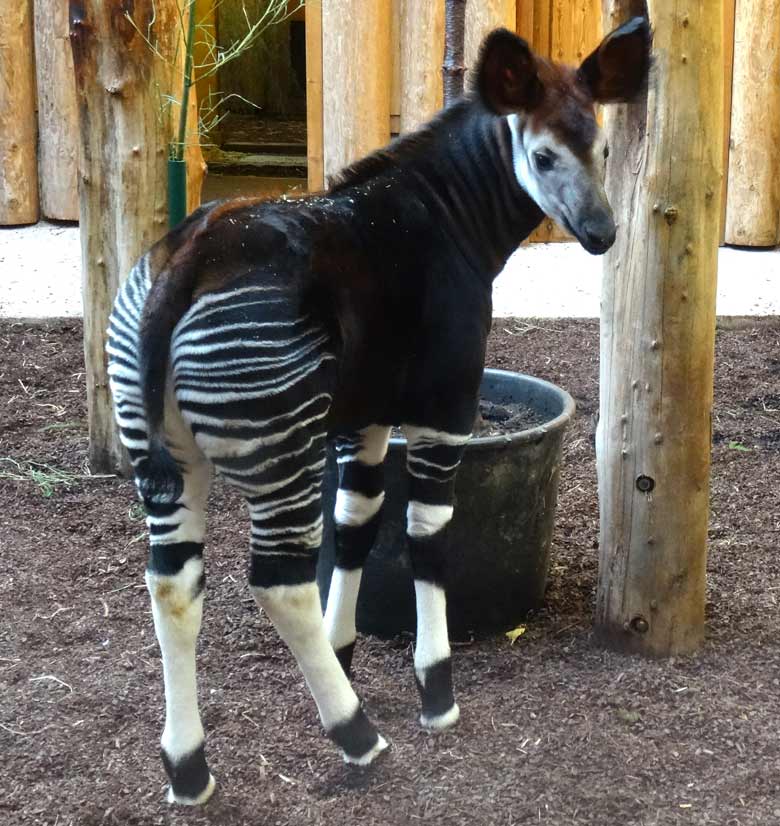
(295, 612)
(286, 536)
(175, 579)
(432, 460)
(357, 516)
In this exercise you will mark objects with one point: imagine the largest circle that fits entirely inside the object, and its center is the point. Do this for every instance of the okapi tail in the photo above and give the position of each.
(158, 475)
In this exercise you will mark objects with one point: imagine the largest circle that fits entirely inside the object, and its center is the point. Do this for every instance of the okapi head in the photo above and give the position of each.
(559, 151)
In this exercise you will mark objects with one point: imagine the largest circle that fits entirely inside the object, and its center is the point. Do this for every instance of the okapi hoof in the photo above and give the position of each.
(369, 757)
(191, 781)
(359, 741)
(202, 798)
(440, 722)
(439, 709)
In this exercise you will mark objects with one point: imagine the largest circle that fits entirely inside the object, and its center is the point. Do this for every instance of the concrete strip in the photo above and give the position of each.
(40, 277)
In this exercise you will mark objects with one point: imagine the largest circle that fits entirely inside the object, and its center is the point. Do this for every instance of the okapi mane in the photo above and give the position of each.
(400, 151)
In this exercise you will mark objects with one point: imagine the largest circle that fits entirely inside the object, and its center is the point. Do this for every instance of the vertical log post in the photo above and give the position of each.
(357, 69)
(18, 162)
(123, 146)
(57, 112)
(422, 56)
(753, 204)
(454, 67)
(658, 332)
(314, 124)
(729, 26)
(481, 18)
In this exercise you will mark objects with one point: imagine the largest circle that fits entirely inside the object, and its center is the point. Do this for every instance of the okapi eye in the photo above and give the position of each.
(606, 152)
(543, 162)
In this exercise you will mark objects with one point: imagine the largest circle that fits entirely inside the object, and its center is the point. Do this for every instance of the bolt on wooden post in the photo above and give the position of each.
(658, 334)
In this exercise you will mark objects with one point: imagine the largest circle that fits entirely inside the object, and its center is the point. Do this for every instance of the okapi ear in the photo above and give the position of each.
(506, 76)
(617, 71)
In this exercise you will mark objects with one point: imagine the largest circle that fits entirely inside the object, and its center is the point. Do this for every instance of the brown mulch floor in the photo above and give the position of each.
(554, 729)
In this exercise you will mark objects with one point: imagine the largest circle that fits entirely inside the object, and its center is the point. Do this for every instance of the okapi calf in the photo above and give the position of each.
(257, 330)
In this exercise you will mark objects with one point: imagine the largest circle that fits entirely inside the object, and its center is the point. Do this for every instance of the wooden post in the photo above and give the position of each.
(123, 144)
(729, 31)
(422, 56)
(481, 18)
(753, 206)
(454, 68)
(18, 163)
(314, 125)
(357, 68)
(57, 112)
(658, 333)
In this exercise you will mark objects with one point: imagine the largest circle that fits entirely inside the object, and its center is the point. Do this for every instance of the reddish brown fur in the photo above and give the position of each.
(566, 108)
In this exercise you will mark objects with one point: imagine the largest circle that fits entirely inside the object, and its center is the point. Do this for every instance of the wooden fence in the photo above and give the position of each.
(373, 70)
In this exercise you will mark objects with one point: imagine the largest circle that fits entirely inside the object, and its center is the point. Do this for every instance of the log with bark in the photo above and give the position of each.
(357, 70)
(753, 201)
(57, 112)
(18, 163)
(124, 145)
(658, 332)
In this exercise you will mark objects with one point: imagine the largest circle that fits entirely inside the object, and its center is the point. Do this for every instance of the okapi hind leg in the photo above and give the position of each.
(175, 579)
(286, 536)
(432, 461)
(174, 574)
(359, 500)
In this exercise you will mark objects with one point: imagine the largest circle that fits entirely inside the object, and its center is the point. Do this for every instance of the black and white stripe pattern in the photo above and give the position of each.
(175, 574)
(254, 329)
(359, 502)
(251, 400)
(432, 460)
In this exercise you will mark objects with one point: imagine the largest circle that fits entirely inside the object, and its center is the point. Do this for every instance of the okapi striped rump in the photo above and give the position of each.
(257, 330)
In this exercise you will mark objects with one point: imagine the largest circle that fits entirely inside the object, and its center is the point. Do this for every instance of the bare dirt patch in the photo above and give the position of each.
(554, 730)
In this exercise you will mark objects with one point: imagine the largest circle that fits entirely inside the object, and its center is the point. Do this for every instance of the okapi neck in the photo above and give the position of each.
(476, 194)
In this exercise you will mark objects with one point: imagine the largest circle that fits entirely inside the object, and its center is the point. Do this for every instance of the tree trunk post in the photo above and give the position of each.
(18, 134)
(357, 70)
(57, 112)
(454, 68)
(753, 202)
(481, 18)
(123, 146)
(658, 333)
(422, 56)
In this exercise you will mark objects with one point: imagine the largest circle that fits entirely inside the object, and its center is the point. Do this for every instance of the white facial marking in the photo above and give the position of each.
(560, 183)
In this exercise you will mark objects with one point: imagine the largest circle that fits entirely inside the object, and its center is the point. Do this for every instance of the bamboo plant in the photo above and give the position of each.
(194, 32)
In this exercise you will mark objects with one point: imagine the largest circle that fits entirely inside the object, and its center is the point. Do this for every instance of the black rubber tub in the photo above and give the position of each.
(506, 493)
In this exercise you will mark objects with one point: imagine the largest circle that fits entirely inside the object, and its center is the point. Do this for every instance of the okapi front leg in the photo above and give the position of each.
(432, 461)
(357, 516)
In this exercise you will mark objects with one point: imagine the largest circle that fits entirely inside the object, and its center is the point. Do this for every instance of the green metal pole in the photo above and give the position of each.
(177, 166)
(177, 191)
